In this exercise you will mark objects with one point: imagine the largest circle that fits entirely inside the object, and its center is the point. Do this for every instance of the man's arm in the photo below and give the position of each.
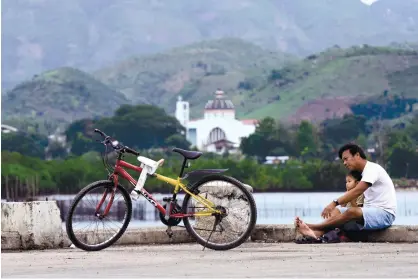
(347, 197)
(354, 193)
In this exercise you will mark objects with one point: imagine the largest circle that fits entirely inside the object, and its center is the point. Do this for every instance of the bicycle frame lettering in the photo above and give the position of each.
(146, 195)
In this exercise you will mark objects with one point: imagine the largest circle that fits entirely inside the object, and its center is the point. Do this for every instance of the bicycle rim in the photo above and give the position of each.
(230, 195)
(84, 226)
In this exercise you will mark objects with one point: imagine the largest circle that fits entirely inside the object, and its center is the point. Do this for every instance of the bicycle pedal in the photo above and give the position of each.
(169, 232)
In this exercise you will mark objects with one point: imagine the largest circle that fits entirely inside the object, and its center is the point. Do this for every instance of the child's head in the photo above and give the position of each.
(351, 179)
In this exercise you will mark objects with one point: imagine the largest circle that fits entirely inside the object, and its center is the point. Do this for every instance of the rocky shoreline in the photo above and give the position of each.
(406, 184)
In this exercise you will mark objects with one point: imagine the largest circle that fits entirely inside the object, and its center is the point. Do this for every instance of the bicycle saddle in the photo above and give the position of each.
(188, 154)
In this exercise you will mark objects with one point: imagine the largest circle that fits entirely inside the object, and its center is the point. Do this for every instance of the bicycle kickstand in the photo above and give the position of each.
(217, 221)
(169, 232)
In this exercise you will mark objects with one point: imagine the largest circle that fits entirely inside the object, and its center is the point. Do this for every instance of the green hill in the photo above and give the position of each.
(194, 71)
(364, 80)
(60, 96)
(327, 84)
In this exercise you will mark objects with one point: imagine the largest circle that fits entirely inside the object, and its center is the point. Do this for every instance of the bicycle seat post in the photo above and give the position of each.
(183, 166)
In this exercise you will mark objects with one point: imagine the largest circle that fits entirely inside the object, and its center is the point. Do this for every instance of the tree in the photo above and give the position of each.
(269, 139)
(262, 141)
(140, 127)
(29, 145)
(178, 141)
(307, 140)
(401, 154)
(340, 131)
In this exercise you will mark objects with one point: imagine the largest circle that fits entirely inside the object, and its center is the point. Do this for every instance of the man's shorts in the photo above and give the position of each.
(374, 219)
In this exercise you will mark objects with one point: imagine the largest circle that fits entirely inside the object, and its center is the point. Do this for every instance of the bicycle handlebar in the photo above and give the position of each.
(101, 133)
(116, 144)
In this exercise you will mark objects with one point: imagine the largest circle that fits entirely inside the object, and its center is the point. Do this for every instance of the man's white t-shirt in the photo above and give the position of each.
(382, 192)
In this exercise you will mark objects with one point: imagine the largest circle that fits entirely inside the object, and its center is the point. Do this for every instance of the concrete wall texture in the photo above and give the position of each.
(31, 225)
(37, 225)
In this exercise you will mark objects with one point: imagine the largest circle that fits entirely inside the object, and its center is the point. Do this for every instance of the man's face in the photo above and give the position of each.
(349, 161)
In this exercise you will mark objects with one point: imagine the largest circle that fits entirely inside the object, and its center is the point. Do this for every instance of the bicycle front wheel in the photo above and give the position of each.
(231, 197)
(87, 227)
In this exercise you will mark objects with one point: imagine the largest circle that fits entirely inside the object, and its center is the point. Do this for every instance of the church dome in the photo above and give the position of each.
(220, 103)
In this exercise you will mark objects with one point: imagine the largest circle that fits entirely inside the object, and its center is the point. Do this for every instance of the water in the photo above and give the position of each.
(272, 208)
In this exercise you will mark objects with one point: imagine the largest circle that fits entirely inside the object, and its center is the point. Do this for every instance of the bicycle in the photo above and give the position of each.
(170, 213)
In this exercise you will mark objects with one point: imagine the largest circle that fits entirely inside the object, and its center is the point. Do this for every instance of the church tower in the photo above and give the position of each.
(182, 112)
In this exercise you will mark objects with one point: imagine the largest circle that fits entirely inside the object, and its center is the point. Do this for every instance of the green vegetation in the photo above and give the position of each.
(396, 148)
(335, 80)
(59, 97)
(311, 167)
(364, 93)
(32, 145)
(139, 127)
(70, 175)
(194, 71)
(260, 83)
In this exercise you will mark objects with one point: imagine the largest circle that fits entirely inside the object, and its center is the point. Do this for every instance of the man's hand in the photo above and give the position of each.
(326, 213)
(354, 193)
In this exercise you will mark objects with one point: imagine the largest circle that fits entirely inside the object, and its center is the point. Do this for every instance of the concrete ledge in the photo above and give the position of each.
(273, 233)
(287, 233)
(31, 225)
(395, 234)
(262, 233)
(154, 236)
(146, 236)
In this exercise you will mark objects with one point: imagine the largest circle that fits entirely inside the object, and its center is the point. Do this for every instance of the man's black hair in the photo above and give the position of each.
(355, 174)
(354, 148)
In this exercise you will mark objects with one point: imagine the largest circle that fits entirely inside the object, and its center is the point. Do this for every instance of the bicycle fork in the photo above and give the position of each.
(109, 204)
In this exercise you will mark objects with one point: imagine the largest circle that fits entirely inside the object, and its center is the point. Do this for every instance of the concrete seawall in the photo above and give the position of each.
(37, 225)
(262, 233)
(31, 225)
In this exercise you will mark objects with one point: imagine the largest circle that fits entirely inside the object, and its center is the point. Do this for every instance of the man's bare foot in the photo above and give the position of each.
(304, 229)
(297, 222)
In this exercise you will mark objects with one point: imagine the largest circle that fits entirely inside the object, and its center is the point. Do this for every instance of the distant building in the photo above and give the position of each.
(275, 160)
(8, 129)
(218, 131)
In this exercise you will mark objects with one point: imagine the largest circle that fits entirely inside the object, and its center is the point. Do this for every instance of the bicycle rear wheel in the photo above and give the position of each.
(84, 210)
(229, 195)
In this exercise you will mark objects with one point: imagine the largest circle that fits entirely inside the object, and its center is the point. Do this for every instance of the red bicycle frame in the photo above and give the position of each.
(119, 170)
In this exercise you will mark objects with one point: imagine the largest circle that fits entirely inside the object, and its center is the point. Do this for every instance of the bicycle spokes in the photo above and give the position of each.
(233, 219)
(99, 215)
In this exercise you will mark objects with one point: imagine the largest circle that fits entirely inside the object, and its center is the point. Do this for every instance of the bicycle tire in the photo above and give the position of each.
(76, 200)
(253, 209)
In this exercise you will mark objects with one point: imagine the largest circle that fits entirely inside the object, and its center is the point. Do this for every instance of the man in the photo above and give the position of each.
(379, 209)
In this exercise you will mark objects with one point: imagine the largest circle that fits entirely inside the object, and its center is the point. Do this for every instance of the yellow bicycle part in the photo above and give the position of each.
(178, 185)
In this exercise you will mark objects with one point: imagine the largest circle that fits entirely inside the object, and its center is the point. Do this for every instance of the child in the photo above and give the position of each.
(337, 235)
(351, 180)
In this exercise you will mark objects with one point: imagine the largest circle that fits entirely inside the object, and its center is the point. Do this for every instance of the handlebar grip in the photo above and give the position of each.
(100, 132)
(130, 150)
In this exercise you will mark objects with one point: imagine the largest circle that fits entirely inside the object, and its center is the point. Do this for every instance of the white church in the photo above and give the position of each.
(218, 130)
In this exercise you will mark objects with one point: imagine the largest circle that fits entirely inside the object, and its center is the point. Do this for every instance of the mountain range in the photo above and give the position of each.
(42, 35)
